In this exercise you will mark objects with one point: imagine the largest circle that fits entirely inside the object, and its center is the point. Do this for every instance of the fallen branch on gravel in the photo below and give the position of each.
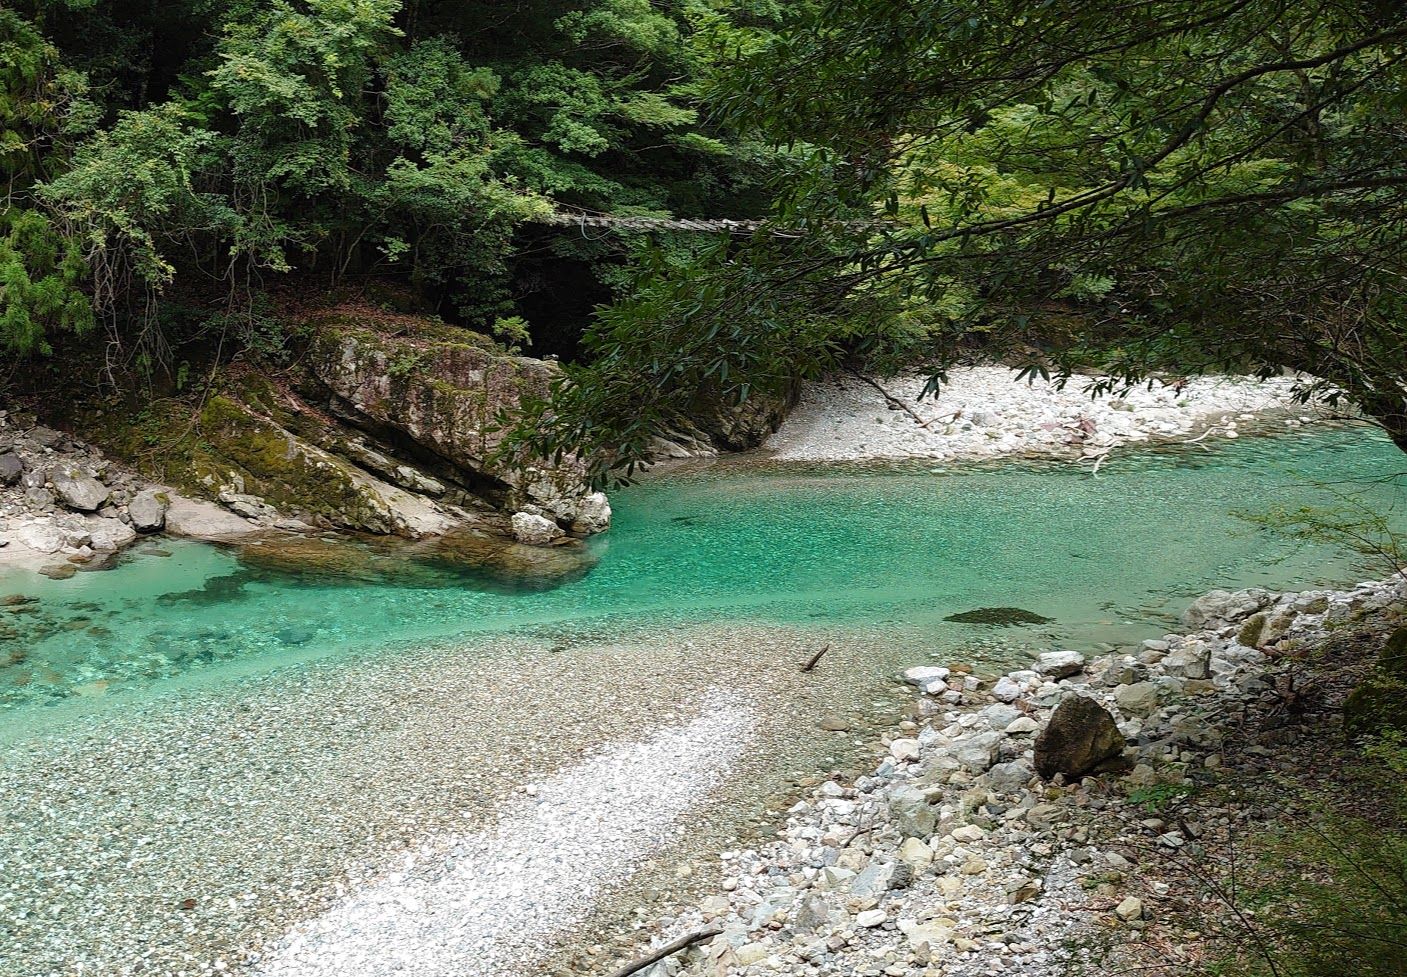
(669, 949)
(811, 662)
(894, 402)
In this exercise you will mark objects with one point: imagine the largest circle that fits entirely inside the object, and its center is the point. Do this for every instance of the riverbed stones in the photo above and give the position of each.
(1007, 689)
(77, 488)
(1080, 735)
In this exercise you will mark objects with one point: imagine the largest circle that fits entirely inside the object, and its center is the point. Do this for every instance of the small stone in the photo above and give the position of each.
(905, 750)
(1191, 660)
(978, 752)
(871, 918)
(1138, 699)
(912, 814)
(1006, 690)
(1060, 664)
(751, 953)
(914, 852)
(1129, 909)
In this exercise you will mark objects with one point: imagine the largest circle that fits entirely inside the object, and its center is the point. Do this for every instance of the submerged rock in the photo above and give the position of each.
(998, 617)
(1080, 735)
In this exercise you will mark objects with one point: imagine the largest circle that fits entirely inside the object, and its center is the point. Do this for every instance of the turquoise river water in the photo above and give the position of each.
(1107, 560)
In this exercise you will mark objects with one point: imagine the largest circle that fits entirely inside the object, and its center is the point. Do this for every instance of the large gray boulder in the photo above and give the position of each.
(205, 520)
(148, 510)
(1080, 735)
(109, 535)
(1217, 607)
(11, 468)
(42, 537)
(78, 489)
(535, 530)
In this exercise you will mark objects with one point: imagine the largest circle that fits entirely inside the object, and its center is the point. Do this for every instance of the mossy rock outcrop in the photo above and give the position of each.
(255, 455)
(447, 391)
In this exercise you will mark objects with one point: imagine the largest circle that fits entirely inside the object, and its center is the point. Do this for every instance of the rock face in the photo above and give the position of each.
(444, 389)
(77, 488)
(1080, 736)
(257, 456)
(740, 427)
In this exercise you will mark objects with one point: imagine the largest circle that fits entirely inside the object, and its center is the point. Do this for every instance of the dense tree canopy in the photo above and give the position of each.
(1144, 188)
(207, 150)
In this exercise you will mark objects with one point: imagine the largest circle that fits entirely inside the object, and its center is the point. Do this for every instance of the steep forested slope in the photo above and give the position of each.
(165, 164)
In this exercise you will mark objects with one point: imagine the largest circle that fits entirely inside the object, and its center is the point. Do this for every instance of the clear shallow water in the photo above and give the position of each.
(890, 553)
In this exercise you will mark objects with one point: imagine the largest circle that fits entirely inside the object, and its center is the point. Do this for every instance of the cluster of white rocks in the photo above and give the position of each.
(987, 412)
(65, 507)
(955, 857)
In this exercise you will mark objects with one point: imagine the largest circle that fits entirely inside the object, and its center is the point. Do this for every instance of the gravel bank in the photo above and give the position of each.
(189, 833)
(986, 413)
(484, 903)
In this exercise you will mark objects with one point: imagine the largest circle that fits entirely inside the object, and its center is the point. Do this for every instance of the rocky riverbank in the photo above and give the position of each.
(67, 508)
(986, 412)
(1011, 827)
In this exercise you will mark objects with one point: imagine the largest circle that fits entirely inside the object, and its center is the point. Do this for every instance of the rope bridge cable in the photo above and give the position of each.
(582, 219)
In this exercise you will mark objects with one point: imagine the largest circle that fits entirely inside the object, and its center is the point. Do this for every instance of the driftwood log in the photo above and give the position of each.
(669, 949)
(811, 662)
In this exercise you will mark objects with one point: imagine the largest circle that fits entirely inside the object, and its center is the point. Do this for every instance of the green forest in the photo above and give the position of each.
(171, 165)
(1134, 188)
